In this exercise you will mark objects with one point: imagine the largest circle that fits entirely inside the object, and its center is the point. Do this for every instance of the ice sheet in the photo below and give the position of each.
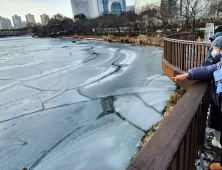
(50, 71)
(109, 71)
(136, 111)
(71, 78)
(7, 83)
(47, 95)
(17, 101)
(156, 99)
(26, 139)
(105, 57)
(128, 79)
(56, 81)
(105, 144)
(19, 73)
(66, 98)
(161, 83)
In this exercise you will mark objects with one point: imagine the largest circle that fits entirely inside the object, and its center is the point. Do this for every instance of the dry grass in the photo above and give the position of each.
(174, 99)
(107, 38)
(75, 36)
(139, 40)
(122, 39)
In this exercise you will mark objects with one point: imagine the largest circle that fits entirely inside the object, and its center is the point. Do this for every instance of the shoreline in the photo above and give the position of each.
(141, 40)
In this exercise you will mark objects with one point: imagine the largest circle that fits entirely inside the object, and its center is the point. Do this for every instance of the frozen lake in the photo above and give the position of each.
(77, 105)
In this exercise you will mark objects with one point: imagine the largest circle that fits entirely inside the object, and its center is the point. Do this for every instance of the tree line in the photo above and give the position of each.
(187, 14)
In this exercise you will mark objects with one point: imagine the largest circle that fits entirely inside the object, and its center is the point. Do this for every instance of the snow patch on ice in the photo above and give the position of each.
(103, 74)
(129, 57)
(113, 49)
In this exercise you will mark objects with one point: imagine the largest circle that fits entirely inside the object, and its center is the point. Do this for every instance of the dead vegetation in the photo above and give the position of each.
(107, 38)
(75, 36)
(139, 40)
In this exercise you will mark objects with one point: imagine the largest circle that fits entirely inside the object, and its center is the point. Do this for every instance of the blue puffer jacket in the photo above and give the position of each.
(213, 37)
(206, 73)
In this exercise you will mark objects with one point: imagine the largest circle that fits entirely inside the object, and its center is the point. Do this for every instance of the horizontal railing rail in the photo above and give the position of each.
(185, 54)
(183, 36)
(176, 143)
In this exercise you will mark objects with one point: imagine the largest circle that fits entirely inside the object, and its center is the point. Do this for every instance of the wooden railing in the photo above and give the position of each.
(185, 54)
(179, 139)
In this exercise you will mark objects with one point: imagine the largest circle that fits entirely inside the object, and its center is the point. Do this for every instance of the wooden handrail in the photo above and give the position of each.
(183, 36)
(185, 54)
(188, 42)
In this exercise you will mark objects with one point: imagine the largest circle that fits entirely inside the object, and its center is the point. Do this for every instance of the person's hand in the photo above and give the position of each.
(180, 77)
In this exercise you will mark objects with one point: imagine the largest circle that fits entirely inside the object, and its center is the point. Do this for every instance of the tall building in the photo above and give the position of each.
(172, 8)
(44, 19)
(17, 21)
(141, 4)
(8, 23)
(30, 19)
(111, 6)
(130, 8)
(88, 7)
(23, 24)
(5, 23)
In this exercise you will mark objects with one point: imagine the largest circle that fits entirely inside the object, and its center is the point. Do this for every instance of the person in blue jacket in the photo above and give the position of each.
(211, 72)
(212, 38)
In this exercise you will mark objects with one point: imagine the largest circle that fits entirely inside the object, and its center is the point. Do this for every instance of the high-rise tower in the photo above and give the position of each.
(111, 6)
(87, 7)
(17, 21)
(30, 19)
(44, 19)
(5, 23)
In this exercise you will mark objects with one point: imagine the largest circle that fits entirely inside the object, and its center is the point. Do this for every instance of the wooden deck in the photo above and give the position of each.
(180, 138)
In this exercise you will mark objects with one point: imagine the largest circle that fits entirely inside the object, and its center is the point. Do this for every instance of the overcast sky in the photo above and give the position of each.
(8, 8)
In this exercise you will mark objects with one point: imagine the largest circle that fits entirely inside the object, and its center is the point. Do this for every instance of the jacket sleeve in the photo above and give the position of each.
(203, 73)
(209, 56)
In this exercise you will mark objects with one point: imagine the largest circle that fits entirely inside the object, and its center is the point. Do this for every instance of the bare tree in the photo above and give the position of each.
(167, 11)
(191, 8)
(130, 20)
(60, 23)
(67, 24)
(79, 27)
(215, 6)
(150, 16)
(92, 24)
(116, 21)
